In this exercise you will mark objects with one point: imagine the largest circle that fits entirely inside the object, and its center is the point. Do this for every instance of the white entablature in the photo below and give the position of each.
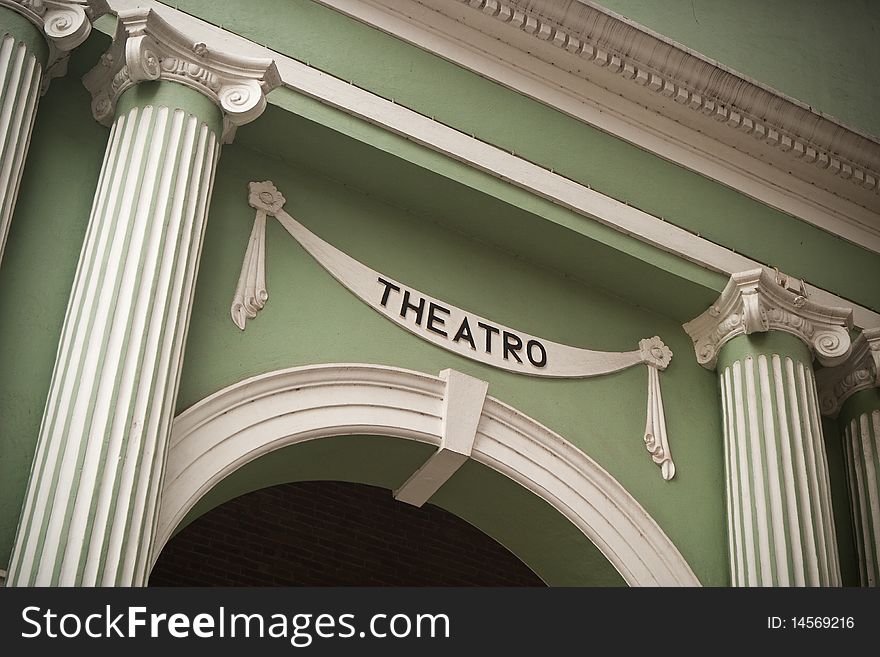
(625, 79)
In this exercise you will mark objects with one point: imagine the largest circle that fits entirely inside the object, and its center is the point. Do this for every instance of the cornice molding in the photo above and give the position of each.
(670, 70)
(64, 23)
(604, 99)
(148, 48)
(759, 300)
(860, 371)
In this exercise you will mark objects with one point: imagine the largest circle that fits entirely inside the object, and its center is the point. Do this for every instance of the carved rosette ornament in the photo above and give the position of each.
(860, 371)
(64, 23)
(655, 353)
(265, 197)
(147, 48)
(761, 300)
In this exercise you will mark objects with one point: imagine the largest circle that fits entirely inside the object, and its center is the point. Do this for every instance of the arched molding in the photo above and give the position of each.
(256, 416)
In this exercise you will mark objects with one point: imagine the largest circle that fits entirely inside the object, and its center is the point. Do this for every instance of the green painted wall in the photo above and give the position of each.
(393, 69)
(36, 275)
(481, 206)
(49, 228)
(48, 231)
(380, 212)
(822, 53)
(310, 318)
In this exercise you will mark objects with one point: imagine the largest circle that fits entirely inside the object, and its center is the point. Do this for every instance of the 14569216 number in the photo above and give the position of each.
(822, 622)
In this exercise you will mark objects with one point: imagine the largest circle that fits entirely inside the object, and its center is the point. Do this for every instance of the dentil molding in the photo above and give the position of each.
(737, 105)
(601, 97)
(760, 300)
(147, 48)
(64, 23)
(858, 372)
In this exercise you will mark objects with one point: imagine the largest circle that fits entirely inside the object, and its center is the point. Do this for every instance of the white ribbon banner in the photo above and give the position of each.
(445, 325)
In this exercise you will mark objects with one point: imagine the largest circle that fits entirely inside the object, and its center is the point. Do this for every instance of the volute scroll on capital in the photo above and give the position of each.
(861, 371)
(65, 24)
(148, 48)
(761, 300)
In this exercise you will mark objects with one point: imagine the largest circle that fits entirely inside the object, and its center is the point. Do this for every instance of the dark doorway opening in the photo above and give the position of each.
(330, 533)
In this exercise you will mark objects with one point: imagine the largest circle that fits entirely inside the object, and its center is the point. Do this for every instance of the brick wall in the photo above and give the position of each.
(325, 533)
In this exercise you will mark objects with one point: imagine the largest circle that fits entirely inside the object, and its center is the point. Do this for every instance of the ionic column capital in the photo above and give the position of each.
(760, 300)
(64, 23)
(147, 48)
(860, 371)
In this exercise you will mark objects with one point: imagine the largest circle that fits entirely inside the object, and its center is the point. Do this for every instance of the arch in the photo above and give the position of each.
(256, 416)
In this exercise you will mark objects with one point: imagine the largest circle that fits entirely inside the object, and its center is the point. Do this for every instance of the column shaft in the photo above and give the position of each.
(780, 520)
(91, 505)
(861, 442)
(21, 73)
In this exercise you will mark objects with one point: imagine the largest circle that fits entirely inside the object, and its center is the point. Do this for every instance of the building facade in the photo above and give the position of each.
(590, 290)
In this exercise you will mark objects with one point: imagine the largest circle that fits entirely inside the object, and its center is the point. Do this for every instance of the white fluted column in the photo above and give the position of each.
(761, 337)
(90, 510)
(35, 40)
(850, 392)
(861, 441)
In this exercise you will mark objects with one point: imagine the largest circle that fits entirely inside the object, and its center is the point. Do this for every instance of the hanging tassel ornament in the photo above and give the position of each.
(657, 356)
(250, 293)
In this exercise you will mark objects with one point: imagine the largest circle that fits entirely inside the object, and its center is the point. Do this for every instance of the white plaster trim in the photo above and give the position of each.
(463, 402)
(254, 417)
(684, 123)
(489, 159)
